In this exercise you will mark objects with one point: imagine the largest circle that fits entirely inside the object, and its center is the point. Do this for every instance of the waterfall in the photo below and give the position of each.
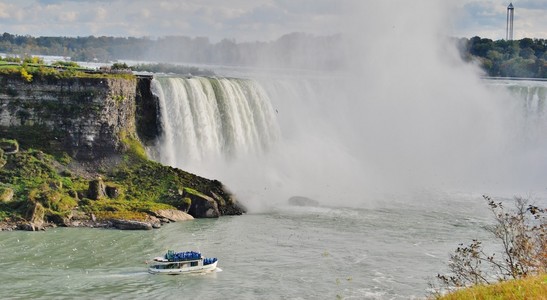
(534, 97)
(213, 119)
(530, 101)
(336, 141)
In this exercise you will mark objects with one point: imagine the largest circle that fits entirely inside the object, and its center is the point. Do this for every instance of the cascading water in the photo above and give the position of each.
(272, 138)
(532, 93)
(208, 120)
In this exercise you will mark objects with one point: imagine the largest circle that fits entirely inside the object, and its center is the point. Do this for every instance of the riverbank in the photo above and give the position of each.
(533, 287)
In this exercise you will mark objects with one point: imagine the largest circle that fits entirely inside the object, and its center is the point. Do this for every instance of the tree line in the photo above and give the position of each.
(296, 50)
(502, 58)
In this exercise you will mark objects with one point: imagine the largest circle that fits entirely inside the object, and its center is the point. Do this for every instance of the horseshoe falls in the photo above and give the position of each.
(342, 143)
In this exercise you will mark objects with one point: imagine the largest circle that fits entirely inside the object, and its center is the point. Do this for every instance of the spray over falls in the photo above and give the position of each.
(406, 115)
(272, 138)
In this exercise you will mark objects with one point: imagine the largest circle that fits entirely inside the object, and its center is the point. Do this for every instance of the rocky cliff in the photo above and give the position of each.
(84, 117)
(98, 172)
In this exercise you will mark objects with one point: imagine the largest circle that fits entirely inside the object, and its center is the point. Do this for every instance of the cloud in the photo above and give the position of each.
(240, 19)
(487, 18)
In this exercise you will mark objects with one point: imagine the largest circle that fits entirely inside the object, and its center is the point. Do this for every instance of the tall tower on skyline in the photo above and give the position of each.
(510, 14)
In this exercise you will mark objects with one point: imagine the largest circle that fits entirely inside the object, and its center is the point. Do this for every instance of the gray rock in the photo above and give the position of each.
(96, 190)
(302, 201)
(131, 225)
(26, 227)
(9, 146)
(202, 205)
(173, 215)
(36, 216)
(31, 226)
(112, 191)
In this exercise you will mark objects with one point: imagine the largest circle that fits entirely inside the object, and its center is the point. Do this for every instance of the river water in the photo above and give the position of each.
(388, 251)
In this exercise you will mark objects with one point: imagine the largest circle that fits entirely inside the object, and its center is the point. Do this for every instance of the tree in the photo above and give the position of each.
(527, 53)
(480, 47)
(522, 234)
(526, 43)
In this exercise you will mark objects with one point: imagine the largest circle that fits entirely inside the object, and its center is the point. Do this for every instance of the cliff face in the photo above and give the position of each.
(101, 124)
(147, 117)
(84, 117)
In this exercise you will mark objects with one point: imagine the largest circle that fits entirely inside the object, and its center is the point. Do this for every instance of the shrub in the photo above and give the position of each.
(14, 59)
(68, 64)
(25, 75)
(33, 60)
(522, 234)
(120, 66)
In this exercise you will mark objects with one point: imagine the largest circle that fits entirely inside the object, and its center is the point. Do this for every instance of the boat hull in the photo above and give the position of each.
(162, 269)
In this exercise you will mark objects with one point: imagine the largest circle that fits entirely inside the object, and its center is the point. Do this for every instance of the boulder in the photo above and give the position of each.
(9, 146)
(96, 190)
(35, 215)
(131, 225)
(302, 201)
(6, 194)
(202, 206)
(112, 191)
(63, 221)
(155, 222)
(27, 227)
(173, 215)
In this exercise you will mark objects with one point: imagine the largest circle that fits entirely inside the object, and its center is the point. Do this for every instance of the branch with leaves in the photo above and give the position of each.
(522, 233)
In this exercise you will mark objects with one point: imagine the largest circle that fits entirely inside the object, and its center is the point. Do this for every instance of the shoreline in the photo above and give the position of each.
(120, 224)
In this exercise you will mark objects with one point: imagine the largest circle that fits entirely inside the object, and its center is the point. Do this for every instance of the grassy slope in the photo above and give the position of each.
(534, 287)
(59, 186)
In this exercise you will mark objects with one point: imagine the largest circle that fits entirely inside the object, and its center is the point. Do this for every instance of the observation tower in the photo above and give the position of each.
(510, 14)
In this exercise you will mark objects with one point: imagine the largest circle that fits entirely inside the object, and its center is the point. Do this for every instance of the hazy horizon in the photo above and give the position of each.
(243, 21)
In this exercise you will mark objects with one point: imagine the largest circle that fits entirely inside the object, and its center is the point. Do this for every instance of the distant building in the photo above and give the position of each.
(510, 15)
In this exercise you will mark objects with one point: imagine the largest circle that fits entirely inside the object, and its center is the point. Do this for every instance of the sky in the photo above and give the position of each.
(242, 20)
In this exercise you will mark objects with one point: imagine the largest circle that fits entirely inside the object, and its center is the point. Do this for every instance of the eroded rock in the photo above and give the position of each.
(131, 225)
(173, 215)
(96, 190)
(202, 206)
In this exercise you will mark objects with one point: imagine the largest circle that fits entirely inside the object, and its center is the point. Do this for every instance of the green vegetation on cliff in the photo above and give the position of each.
(31, 67)
(37, 187)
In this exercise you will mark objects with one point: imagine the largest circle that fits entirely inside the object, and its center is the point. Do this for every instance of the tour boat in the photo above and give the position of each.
(173, 263)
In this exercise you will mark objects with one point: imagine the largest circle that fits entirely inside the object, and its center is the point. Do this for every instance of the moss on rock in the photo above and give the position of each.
(6, 194)
(9, 146)
(40, 186)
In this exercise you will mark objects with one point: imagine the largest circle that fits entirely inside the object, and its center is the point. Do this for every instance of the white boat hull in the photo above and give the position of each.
(181, 269)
